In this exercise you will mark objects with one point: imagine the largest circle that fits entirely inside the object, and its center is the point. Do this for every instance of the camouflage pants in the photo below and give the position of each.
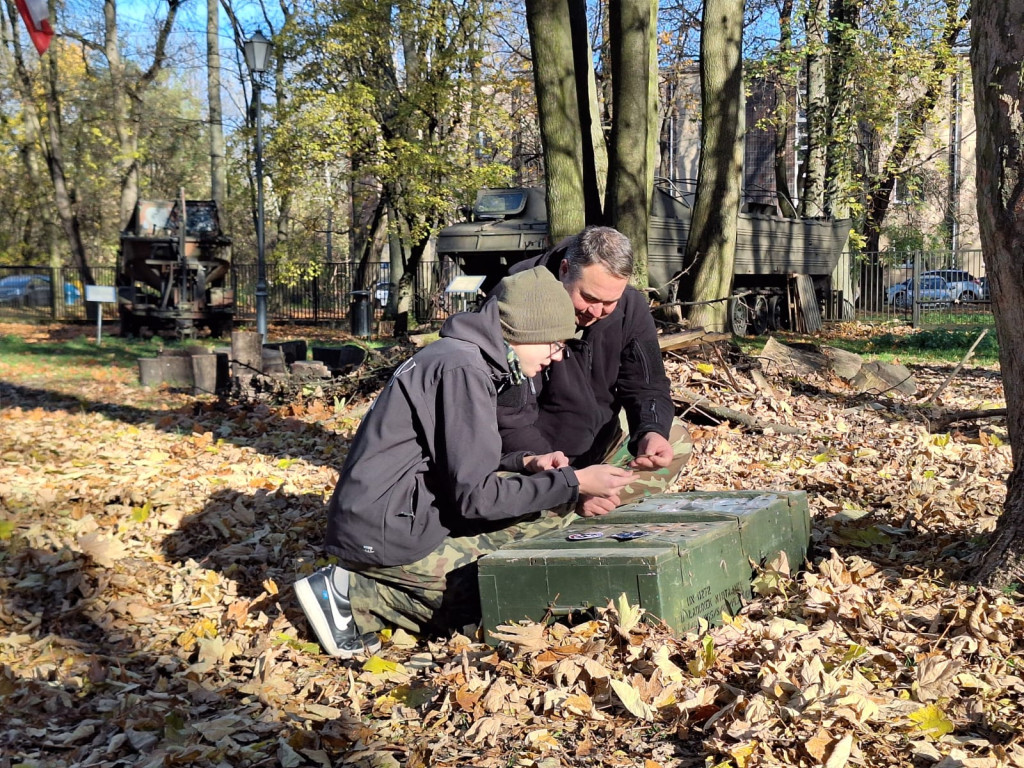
(438, 593)
(655, 481)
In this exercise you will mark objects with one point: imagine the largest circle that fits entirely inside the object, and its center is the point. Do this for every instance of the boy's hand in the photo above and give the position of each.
(603, 480)
(545, 461)
(594, 506)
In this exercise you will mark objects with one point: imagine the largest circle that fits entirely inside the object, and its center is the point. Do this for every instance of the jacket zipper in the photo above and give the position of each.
(643, 361)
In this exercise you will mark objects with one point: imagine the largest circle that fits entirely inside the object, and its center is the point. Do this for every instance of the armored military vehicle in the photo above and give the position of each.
(508, 225)
(173, 268)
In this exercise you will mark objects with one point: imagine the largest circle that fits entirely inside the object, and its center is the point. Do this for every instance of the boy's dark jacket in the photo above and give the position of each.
(423, 463)
(616, 364)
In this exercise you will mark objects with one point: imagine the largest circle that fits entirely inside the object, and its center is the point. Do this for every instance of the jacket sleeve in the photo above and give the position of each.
(469, 450)
(517, 420)
(644, 390)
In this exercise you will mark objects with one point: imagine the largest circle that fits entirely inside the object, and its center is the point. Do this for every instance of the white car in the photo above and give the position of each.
(932, 290)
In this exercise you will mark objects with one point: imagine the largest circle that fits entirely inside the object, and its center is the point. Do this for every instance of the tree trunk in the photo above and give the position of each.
(63, 195)
(555, 80)
(783, 88)
(593, 149)
(841, 131)
(812, 195)
(127, 100)
(997, 56)
(218, 151)
(711, 247)
(630, 178)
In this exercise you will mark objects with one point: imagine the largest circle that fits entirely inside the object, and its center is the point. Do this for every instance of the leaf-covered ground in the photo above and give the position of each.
(148, 541)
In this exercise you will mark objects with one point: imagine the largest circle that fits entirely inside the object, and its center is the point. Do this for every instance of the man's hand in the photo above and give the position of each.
(594, 506)
(653, 452)
(545, 461)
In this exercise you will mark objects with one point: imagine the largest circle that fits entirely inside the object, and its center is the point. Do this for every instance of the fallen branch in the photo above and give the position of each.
(940, 421)
(702, 404)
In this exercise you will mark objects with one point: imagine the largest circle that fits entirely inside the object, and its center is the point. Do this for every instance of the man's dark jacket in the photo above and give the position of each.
(423, 463)
(616, 364)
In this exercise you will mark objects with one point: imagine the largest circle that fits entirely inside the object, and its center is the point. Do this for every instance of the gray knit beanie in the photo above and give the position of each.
(534, 308)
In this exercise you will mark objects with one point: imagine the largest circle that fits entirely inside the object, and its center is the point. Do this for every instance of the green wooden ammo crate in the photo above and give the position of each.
(692, 561)
(769, 522)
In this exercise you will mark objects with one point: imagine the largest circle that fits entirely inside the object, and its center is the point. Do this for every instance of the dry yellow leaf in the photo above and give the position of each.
(840, 752)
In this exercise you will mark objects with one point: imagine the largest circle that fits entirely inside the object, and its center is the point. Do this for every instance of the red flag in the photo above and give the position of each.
(37, 19)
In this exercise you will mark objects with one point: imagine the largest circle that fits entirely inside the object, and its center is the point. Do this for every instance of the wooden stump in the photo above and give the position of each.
(246, 354)
(174, 370)
(204, 374)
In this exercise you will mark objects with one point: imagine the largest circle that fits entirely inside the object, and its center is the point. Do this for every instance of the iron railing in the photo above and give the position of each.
(884, 291)
(322, 295)
(923, 288)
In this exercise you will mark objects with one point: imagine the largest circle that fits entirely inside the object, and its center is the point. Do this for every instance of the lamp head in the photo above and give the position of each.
(257, 53)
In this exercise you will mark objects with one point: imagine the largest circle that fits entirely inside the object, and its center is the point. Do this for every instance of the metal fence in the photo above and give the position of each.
(920, 288)
(923, 288)
(324, 295)
(26, 294)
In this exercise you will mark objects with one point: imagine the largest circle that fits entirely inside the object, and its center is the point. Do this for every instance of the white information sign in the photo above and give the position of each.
(101, 293)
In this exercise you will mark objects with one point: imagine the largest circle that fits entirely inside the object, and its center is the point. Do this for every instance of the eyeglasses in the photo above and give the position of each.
(557, 348)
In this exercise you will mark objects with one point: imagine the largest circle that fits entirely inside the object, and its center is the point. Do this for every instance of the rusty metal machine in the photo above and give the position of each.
(173, 269)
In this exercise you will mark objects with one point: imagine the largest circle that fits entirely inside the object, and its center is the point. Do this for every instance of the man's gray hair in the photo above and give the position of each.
(600, 245)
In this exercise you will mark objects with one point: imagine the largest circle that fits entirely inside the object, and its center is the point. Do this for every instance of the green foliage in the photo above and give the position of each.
(171, 151)
(904, 238)
(401, 92)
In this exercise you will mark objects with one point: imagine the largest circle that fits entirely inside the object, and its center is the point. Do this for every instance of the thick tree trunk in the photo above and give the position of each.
(218, 151)
(593, 151)
(812, 195)
(711, 247)
(996, 59)
(630, 177)
(555, 80)
(840, 130)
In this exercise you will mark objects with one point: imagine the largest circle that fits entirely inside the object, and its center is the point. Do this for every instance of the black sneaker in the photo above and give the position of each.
(330, 616)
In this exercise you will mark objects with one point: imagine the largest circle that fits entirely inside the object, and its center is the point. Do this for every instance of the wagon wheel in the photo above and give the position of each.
(738, 315)
(129, 325)
(217, 326)
(776, 317)
(759, 316)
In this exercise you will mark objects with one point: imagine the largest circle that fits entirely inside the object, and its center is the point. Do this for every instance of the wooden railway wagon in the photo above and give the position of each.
(776, 257)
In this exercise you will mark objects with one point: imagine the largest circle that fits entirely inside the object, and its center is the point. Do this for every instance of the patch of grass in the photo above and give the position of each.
(926, 346)
(83, 351)
(907, 345)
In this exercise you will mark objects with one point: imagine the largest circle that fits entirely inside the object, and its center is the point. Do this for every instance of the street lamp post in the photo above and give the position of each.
(257, 53)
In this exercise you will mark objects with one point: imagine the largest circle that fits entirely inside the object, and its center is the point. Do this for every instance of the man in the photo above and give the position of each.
(614, 367)
(420, 498)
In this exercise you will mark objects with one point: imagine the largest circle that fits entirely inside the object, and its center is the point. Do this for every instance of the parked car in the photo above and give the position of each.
(933, 290)
(966, 287)
(33, 291)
